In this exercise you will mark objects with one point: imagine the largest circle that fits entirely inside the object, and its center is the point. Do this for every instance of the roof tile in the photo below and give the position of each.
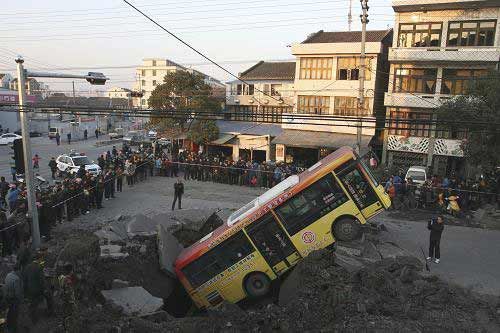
(346, 36)
(270, 71)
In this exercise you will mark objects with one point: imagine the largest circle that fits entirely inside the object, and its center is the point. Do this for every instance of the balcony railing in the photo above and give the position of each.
(444, 54)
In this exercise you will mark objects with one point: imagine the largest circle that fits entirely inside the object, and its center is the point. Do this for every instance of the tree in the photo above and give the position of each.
(203, 131)
(477, 113)
(178, 98)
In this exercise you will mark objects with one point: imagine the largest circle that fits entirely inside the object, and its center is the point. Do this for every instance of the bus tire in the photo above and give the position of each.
(257, 284)
(346, 229)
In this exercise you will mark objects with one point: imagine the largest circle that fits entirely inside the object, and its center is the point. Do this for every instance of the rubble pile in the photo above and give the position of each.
(389, 295)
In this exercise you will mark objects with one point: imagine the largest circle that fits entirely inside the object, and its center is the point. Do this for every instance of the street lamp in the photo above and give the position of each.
(22, 74)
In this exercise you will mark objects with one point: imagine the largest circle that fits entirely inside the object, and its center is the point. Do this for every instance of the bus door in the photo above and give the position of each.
(359, 188)
(273, 243)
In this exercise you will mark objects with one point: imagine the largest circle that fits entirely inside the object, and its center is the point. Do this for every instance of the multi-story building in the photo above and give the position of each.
(5, 79)
(153, 70)
(439, 46)
(326, 84)
(264, 92)
(33, 87)
(117, 92)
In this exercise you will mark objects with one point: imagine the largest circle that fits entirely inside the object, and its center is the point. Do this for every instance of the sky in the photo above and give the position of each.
(97, 34)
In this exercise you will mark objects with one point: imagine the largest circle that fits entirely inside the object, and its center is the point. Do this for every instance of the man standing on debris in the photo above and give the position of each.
(436, 226)
(13, 294)
(35, 287)
(178, 192)
(66, 286)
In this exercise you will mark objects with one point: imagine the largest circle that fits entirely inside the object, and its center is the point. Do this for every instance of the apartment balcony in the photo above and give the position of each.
(420, 5)
(420, 145)
(259, 100)
(445, 54)
(410, 100)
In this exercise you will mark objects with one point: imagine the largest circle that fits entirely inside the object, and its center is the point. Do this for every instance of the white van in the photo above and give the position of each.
(53, 132)
(418, 174)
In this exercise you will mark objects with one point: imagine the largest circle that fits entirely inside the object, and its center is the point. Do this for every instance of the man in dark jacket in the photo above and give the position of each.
(436, 226)
(178, 192)
(35, 287)
(53, 167)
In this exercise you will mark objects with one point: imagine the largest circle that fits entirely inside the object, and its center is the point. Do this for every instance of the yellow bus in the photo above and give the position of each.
(265, 238)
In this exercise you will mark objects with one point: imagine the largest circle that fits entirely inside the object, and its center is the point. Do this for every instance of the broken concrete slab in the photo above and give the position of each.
(350, 263)
(133, 300)
(141, 225)
(117, 284)
(168, 250)
(112, 251)
(391, 250)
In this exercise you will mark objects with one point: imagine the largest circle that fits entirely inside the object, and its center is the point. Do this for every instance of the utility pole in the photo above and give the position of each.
(361, 96)
(349, 15)
(29, 176)
(22, 75)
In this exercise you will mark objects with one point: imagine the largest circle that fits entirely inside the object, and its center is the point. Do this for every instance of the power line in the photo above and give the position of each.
(194, 49)
(188, 112)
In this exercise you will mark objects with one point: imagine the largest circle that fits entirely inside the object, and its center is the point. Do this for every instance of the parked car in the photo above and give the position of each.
(71, 164)
(9, 138)
(134, 137)
(53, 132)
(418, 174)
(152, 134)
(116, 134)
(33, 134)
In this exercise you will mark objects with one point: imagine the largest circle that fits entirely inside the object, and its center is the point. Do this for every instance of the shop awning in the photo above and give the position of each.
(223, 139)
(313, 139)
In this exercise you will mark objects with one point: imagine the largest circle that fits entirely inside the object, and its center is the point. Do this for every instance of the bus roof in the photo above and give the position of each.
(246, 211)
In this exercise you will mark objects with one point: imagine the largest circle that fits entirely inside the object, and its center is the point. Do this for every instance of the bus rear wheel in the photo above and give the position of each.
(346, 229)
(257, 285)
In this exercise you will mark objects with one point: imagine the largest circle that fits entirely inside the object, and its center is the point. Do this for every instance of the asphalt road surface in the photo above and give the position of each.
(469, 256)
(46, 148)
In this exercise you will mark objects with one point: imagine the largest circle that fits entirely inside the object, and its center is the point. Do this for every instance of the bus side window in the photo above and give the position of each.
(312, 203)
(218, 259)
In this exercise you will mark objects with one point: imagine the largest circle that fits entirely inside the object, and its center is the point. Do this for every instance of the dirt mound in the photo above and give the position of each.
(390, 295)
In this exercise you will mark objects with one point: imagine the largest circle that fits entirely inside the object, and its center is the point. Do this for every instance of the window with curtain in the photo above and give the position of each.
(348, 68)
(457, 81)
(313, 104)
(316, 68)
(419, 34)
(348, 106)
(472, 33)
(415, 80)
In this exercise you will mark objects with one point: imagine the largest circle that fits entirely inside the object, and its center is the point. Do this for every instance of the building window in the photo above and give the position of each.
(154, 64)
(250, 89)
(472, 33)
(419, 34)
(316, 68)
(275, 88)
(143, 72)
(407, 122)
(313, 104)
(143, 82)
(348, 106)
(415, 80)
(348, 68)
(143, 101)
(154, 72)
(154, 82)
(456, 81)
(245, 89)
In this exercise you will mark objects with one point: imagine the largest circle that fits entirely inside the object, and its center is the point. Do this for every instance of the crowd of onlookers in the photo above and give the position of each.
(451, 194)
(72, 194)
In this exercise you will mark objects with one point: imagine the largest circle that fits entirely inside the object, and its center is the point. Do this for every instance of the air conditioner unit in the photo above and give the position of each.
(237, 101)
(251, 101)
(266, 101)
